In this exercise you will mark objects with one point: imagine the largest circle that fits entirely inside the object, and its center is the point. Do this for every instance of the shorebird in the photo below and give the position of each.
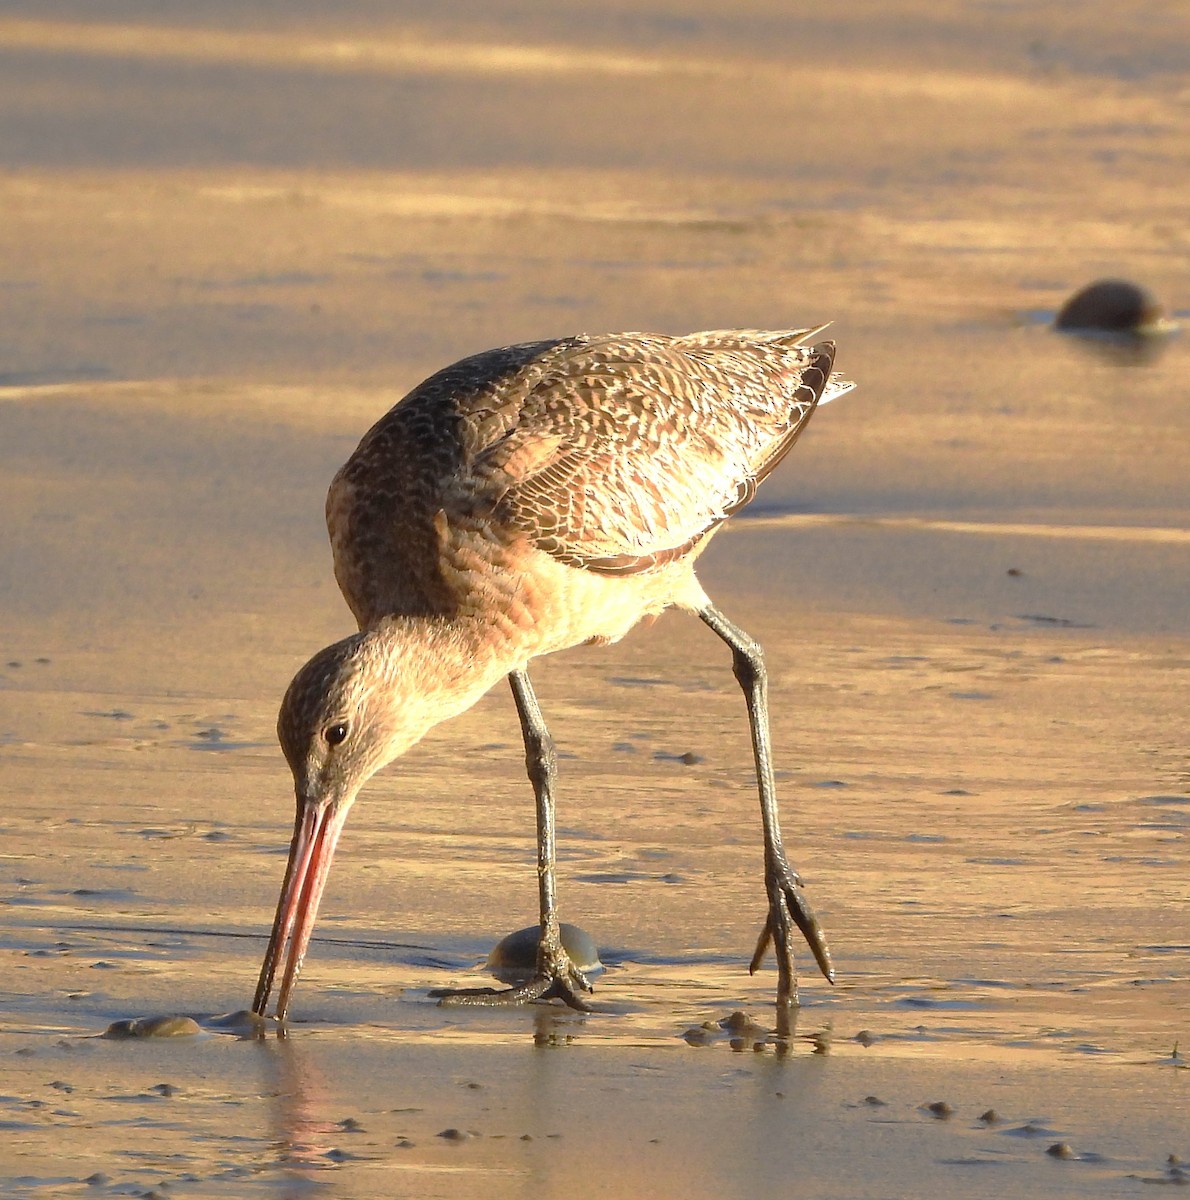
(523, 501)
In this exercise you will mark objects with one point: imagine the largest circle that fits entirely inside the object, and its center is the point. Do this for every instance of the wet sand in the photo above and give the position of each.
(227, 250)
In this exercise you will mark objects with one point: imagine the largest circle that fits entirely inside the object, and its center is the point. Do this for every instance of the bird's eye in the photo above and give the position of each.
(335, 734)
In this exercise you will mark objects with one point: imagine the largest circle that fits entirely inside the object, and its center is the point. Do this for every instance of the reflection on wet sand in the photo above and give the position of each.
(1093, 533)
(529, 1105)
(302, 1134)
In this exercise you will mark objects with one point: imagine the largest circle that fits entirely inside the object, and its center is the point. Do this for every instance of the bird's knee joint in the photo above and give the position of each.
(541, 758)
(749, 667)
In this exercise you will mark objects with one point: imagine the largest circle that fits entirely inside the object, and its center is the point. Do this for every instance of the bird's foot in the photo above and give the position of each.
(789, 908)
(556, 978)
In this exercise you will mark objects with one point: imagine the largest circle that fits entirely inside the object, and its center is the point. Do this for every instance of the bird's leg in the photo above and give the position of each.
(556, 976)
(788, 905)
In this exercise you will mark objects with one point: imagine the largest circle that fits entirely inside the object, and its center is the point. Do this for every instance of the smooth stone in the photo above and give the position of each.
(152, 1027)
(1112, 306)
(243, 1020)
(514, 958)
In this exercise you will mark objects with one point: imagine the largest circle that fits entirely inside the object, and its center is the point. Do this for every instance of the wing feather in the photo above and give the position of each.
(631, 449)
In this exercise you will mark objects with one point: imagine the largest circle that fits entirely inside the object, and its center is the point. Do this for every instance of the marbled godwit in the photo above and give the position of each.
(519, 502)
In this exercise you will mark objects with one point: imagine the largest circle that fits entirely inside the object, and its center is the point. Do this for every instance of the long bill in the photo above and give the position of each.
(315, 836)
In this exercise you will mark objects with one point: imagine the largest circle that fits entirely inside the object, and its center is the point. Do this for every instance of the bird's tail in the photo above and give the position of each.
(835, 387)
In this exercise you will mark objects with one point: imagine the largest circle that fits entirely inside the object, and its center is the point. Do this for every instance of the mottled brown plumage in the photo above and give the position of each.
(613, 453)
(516, 503)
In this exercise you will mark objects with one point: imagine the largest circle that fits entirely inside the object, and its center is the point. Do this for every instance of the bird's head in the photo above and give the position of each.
(343, 718)
(345, 715)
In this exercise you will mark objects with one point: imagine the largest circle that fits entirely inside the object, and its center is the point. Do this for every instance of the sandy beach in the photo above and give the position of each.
(233, 236)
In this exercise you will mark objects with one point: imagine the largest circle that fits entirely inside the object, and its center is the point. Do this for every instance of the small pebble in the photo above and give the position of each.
(454, 1135)
(875, 1101)
(865, 1037)
(350, 1125)
(164, 1089)
(739, 1022)
(405, 1144)
(940, 1109)
(990, 1117)
(1060, 1150)
(1030, 1129)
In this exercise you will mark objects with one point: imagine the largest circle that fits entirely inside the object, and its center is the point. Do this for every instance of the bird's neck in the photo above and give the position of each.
(447, 664)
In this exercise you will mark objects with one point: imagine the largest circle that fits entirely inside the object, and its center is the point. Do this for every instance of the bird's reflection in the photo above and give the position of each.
(305, 1079)
(303, 1136)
